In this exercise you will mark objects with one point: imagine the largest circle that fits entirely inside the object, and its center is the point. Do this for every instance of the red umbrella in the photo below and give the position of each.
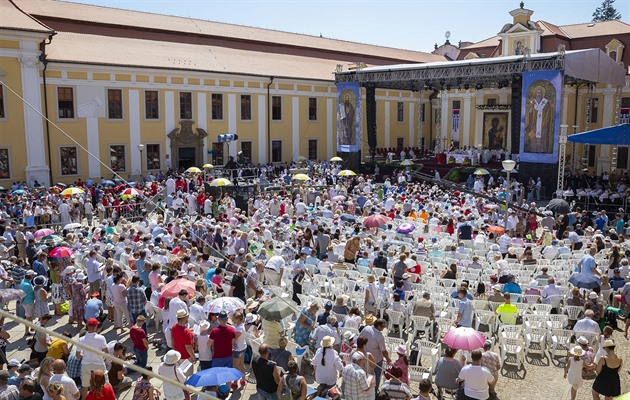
(172, 288)
(464, 339)
(376, 220)
(60, 252)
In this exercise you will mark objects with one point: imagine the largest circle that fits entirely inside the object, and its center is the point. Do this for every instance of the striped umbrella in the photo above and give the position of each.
(72, 191)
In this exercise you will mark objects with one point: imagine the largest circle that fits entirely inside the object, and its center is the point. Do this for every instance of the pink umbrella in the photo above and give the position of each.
(60, 252)
(42, 232)
(339, 197)
(376, 220)
(464, 339)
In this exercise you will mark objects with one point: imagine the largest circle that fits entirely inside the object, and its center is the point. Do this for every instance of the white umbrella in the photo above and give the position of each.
(73, 225)
(227, 304)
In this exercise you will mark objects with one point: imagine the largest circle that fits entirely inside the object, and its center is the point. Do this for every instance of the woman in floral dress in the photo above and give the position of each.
(78, 299)
(305, 324)
(41, 297)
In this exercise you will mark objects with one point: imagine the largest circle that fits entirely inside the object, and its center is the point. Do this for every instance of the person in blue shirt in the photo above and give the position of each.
(28, 302)
(617, 281)
(511, 286)
(399, 290)
(600, 222)
(94, 308)
(464, 310)
(38, 265)
(321, 318)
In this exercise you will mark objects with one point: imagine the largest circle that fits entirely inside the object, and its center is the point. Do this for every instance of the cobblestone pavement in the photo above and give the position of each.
(542, 377)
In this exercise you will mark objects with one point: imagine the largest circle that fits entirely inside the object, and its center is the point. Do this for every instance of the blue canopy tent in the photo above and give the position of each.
(617, 135)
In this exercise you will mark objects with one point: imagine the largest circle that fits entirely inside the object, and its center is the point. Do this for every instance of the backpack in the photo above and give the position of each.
(294, 385)
(286, 391)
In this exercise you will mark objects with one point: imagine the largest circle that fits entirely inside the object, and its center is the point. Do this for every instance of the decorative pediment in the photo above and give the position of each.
(186, 134)
(472, 55)
(614, 49)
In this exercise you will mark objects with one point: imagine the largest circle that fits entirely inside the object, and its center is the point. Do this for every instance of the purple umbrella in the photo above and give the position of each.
(405, 228)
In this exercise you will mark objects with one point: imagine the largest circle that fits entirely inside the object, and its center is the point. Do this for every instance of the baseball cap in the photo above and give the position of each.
(92, 322)
(25, 367)
(13, 363)
(223, 315)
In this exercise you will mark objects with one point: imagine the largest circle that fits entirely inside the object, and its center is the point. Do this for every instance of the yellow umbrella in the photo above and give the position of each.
(208, 166)
(346, 172)
(193, 170)
(407, 163)
(336, 159)
(221, 182)
(72, 191)
(301, 177)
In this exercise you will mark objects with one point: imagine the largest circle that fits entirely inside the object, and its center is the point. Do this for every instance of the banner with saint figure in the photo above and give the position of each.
(348, 117)
(540, 116)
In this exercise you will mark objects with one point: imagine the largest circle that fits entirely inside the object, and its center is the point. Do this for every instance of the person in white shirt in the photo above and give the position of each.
(178, 303)
(476, 378)
(91, 361)
(70, 390)
(587, 324)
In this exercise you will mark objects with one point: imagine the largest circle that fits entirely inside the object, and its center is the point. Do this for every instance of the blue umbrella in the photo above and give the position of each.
(107, 183)
(348, 218)
(585, 281)
(214, 376)
(19, 191)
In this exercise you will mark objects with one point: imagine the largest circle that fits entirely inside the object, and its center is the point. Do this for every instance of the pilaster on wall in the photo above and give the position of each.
(36, 168)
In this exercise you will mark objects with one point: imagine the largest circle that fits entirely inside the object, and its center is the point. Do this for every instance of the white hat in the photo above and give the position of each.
(250, 318)
(593, 295)
(577, 350)
(533, 283)
(80, 276)
(181, 313)
(496, 287)
(68, 270)
(204, 325)
(172, 357)
(582, 340)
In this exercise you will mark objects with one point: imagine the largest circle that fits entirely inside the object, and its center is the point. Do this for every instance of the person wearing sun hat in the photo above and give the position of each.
(573, 369)
(608, 383)
(402, 363)
(327, 364)
(169, 369)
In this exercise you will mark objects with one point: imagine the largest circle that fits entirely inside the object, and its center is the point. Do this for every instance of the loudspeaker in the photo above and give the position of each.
(517, 87)
(370, 111)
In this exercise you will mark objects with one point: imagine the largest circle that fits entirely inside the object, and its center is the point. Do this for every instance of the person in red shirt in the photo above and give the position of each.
(183, 337)
(140, 342)
(222, 339)
(99, 389)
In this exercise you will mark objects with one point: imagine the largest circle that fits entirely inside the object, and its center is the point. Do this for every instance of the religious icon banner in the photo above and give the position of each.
(540, 116)
(348, 117)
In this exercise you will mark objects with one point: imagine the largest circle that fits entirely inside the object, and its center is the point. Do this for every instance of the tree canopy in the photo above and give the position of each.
(606, 12)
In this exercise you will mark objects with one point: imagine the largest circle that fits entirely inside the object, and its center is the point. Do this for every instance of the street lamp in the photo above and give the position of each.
(140, 149)
(508, 166)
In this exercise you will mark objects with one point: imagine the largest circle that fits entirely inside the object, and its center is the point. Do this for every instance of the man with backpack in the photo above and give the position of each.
(293, 385)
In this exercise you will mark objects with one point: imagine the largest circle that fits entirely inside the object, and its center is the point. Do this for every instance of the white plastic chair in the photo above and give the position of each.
(535, 336)
(512, 346)
(427, 348)
(560, 339)
(421, 325)
(396, 318)
(417, 373)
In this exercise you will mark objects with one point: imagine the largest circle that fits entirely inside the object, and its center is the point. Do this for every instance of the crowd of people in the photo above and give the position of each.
(374, 275)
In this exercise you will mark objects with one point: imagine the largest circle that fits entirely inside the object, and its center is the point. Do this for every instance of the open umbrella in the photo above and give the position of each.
(227, 304)
(300, 177)
(463, 338)
(54, 239)
(42, 232)
(336, 159)
(585, 281)
(221, 182)
(497, 230)
(71, 226)
(338, 197)
(405, 228)
(130, 192)
(276, 309)
(208, 166)
(107, 182)
(481, 171)
(491, 206)
(348, 218)
(7, 295)
(18, 191)
(559, 206)
(346, 172)
(376, 220)
(214, 376)
(193, 170)
(72, 191)
(172, 288)
(60, 252)
(407, 163)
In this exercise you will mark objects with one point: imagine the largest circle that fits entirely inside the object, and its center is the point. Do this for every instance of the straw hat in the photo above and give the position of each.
(181, 313)
(327, 341)
(577, 351)
(369, 319)
(608, 343)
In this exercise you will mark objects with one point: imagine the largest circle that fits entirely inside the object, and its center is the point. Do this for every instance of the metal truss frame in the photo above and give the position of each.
(450, 77)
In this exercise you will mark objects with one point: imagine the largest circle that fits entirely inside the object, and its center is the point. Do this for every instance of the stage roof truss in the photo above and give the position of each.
(477, 73)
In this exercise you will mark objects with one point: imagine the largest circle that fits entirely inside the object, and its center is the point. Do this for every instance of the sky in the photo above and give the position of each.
(407, 24)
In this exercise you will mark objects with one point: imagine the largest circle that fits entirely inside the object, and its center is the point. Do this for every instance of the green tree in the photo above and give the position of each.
(606, 12)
